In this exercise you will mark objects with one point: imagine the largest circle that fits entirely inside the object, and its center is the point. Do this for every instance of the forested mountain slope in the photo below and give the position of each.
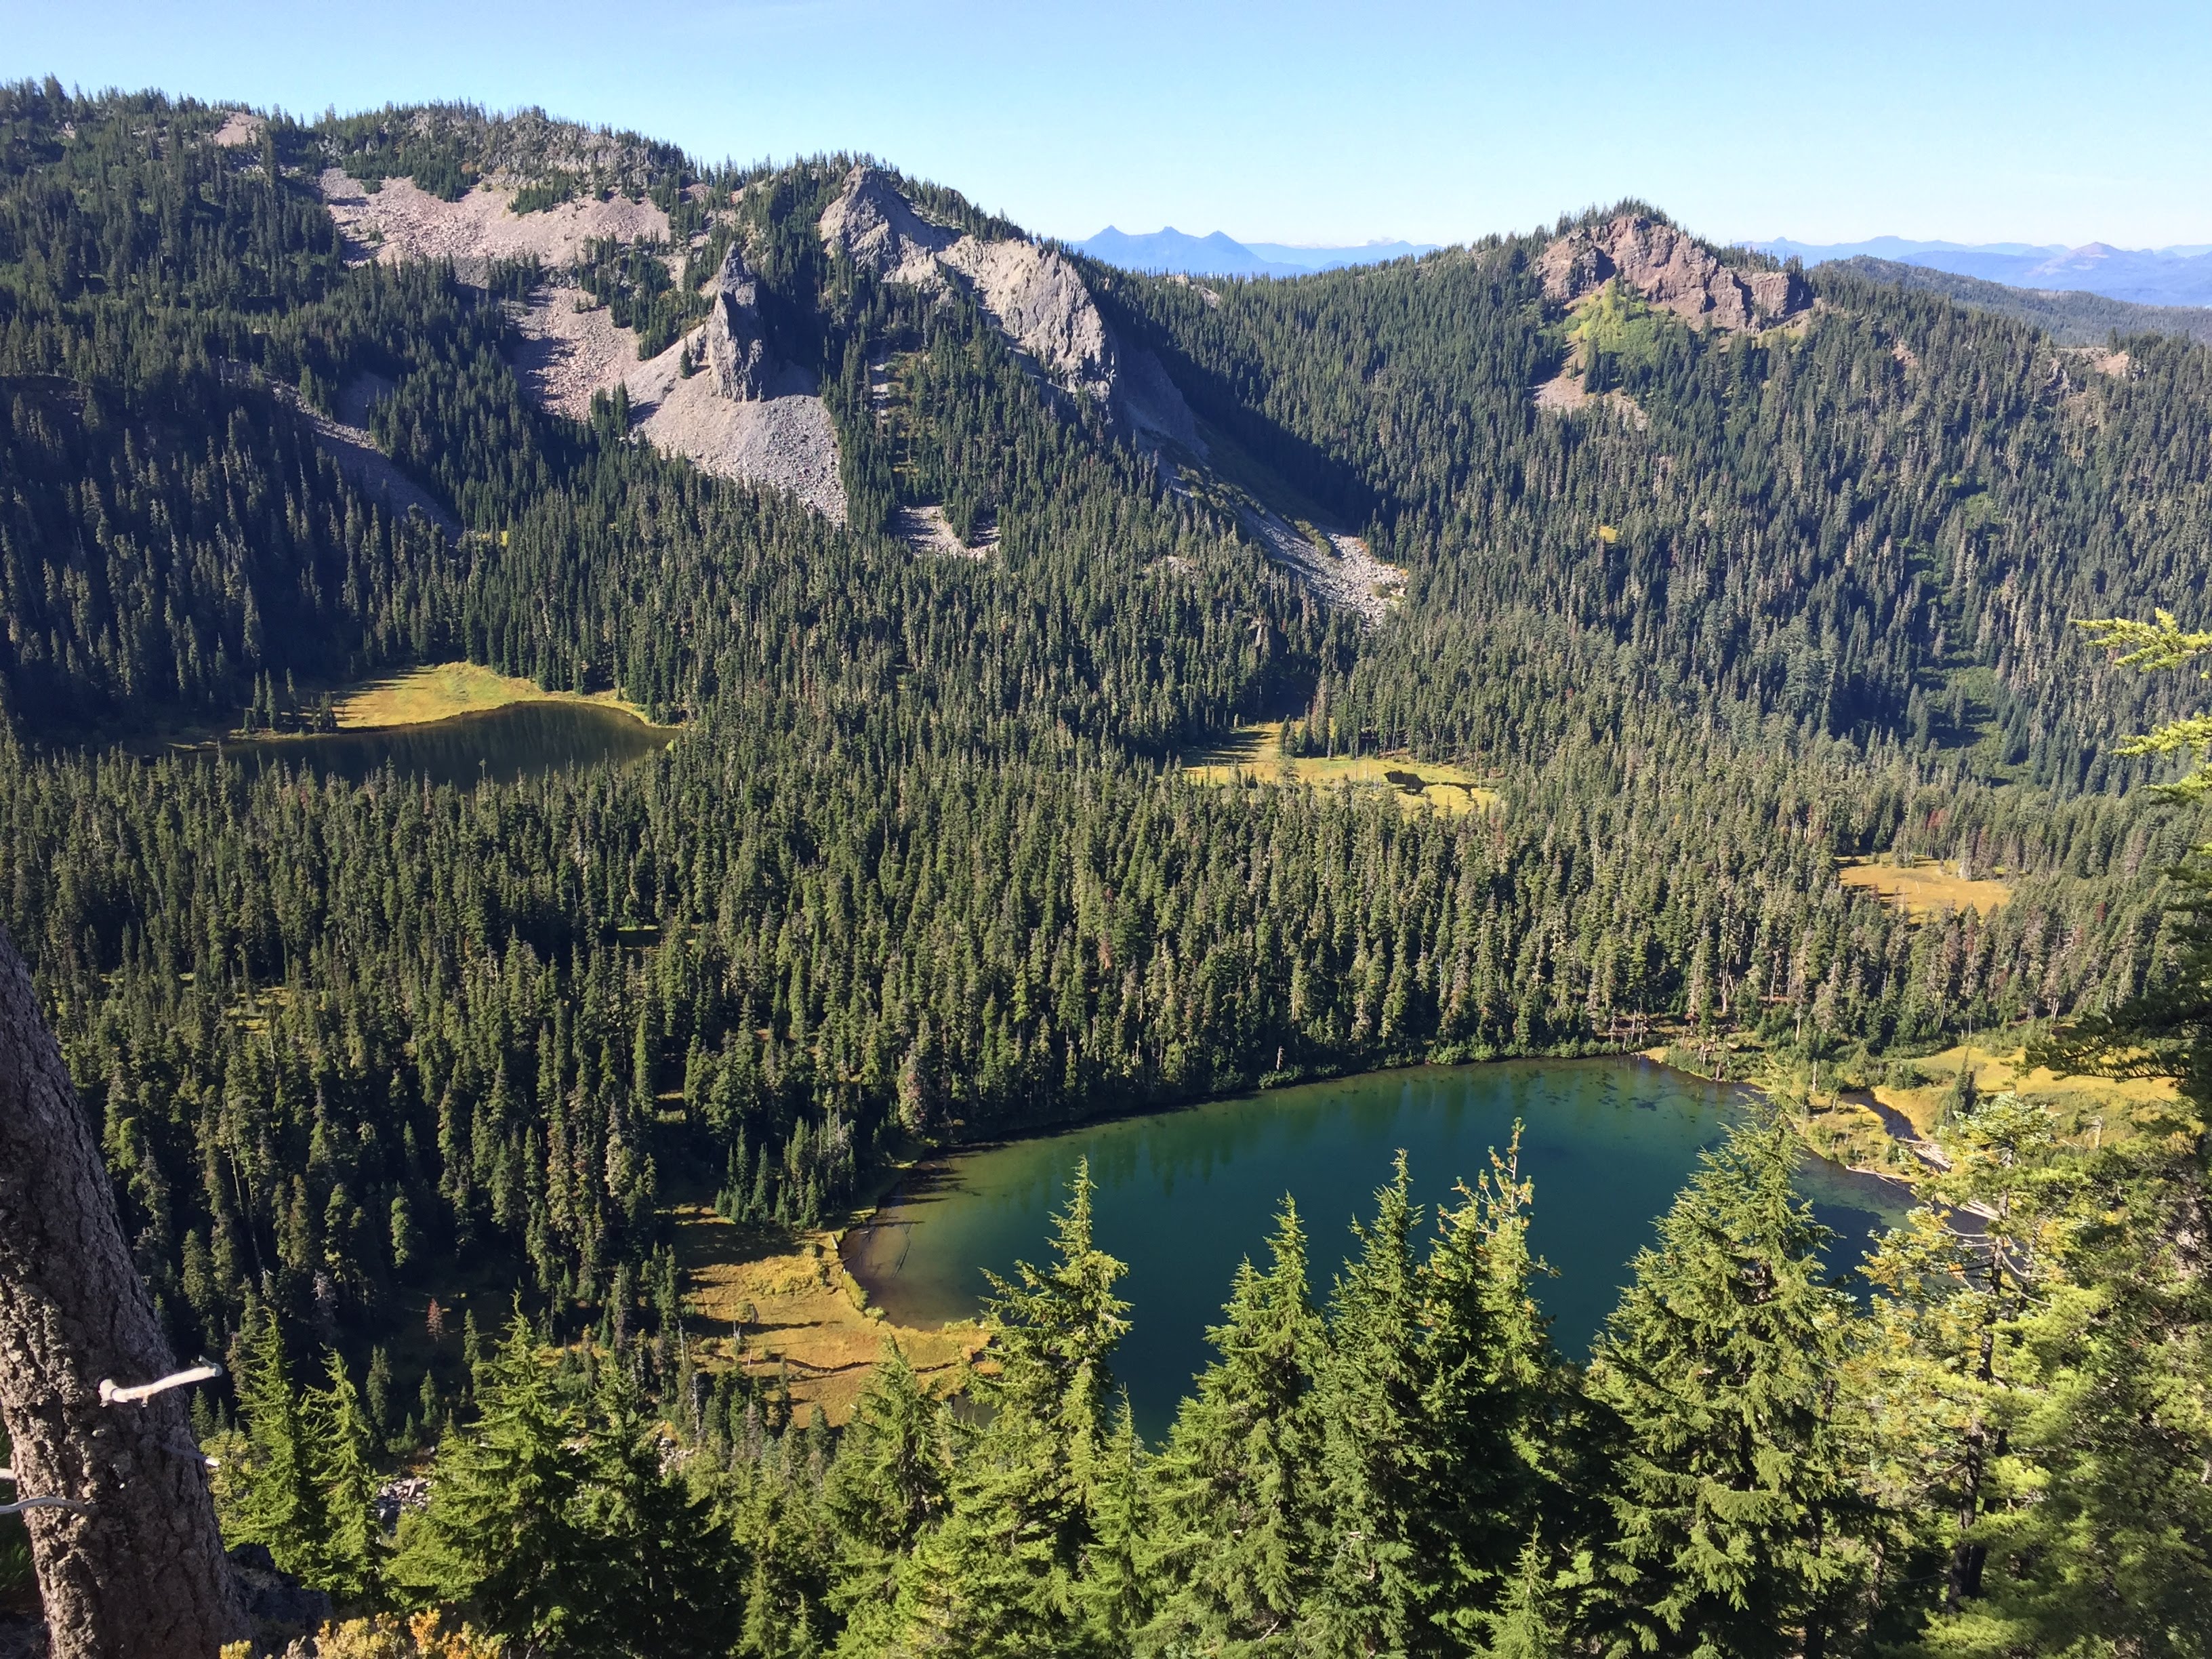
(1719, 572)
(2070, 316)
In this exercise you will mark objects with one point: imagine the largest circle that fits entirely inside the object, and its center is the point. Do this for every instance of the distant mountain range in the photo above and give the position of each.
(2153, 277)
(2072, 317)
(1218, 255)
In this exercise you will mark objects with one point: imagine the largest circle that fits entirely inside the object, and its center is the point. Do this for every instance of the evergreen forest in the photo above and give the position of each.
(923, 865)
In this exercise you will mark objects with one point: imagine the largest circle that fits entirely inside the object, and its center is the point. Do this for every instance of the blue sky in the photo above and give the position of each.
(1297, 122)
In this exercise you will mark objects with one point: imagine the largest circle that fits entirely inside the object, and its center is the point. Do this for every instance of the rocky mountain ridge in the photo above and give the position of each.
(1033, 294)
(1672, 272)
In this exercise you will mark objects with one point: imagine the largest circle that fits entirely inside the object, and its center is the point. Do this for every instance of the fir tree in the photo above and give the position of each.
(341, 1448)
(500, 1535)
(1528, 1623)
(1733, 1493)
(653, 1583)
(1000, 1576)
(1239, 1480)
(1491, 1397)
(889, 1483)
(270, 1493)
(1116, 1587)
(1375, 1452)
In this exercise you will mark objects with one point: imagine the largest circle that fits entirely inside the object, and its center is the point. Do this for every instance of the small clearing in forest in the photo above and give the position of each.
(788, 1309)
(1923, 886)
(2079, 1104)
(1254, 756)
(416, 696)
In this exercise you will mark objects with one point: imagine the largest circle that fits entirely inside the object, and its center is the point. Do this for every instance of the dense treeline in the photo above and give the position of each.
(341, 1036)
(920, 867)
(1872, 524)
(2003, 1453)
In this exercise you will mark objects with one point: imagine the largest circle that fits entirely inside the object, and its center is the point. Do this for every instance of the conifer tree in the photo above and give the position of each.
(1733, 1494)
(1000, 1576)
(1529, 1622)
(889, 1482)
(1375, 1452)
(1491, 1397)
(269, 1493)
(654, 1580)
(787, 1557)
(1055, 1332)
(1240, 1478)
(500, 1535)
(341, 1449)
(1116, 1587)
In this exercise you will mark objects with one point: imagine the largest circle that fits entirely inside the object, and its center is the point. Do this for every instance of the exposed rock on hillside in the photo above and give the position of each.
(1671, 271)
(240, 127)
(875, 226)
(352, 447)
(1040, 304)
(744, 415)
(771, 429)
(1033, 294)
(737, 349)
(1342, 571)
(926, 530)
(1154, 404)
(403, 221)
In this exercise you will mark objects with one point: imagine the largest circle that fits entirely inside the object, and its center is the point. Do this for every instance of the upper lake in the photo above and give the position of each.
(519, 740)
(1183, 1195)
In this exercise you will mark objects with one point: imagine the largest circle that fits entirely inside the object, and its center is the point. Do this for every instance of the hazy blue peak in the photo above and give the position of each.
(1172, 250)
(1886, 247)
(2151, 277)
(1329, 258)
(1219, 255)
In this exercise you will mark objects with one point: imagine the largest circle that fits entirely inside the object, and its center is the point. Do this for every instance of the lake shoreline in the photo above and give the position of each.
(1187, 1188)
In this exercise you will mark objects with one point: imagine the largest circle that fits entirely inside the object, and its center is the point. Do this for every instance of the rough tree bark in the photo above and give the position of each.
(142, 1574)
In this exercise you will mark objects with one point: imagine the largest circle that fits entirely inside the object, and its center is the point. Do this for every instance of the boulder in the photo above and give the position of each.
(281, 1607)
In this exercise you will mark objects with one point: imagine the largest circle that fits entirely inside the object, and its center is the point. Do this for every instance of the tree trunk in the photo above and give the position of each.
(140, 1574)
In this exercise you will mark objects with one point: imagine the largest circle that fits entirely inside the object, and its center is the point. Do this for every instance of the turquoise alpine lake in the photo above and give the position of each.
(1183, 1195)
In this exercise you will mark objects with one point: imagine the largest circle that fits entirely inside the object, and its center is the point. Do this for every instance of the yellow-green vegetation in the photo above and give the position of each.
(1922, 887)
(776, 1307)
(2079, 1105)
(1254, 755)
(1615, 323)
(418, 696)
(1844, 1120)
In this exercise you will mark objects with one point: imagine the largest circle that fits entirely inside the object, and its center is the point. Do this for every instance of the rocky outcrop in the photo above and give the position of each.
(877, 229)
(744, 414)
(1040, 303)
(736, 345)
(1672, 272)
(1033, 293)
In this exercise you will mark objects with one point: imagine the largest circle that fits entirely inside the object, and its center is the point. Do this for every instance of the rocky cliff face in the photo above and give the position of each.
(875, 226)
(1033, 294)
(1040, 304)
(737, 349)
(1672, 272)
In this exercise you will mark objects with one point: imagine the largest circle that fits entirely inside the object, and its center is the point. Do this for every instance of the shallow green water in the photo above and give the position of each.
(1182, 1196)
(521, 740)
